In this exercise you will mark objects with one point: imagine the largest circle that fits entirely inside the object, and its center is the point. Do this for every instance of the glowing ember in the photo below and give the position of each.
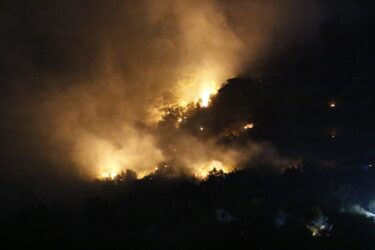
(333, 133)
(249, 126)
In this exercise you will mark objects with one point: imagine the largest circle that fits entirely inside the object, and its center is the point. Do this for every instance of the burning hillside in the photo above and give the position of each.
(174, 124)
(117, 86)
(115, 115)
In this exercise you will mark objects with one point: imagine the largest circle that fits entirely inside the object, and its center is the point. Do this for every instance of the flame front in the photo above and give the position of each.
(209, 89)
(199, 88)
(108, 176)
(203, 170)
(110, 123)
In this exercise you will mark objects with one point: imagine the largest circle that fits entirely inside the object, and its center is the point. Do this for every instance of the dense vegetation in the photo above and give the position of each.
(263, 211)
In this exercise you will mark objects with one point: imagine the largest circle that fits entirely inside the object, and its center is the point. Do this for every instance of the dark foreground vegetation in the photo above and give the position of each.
(242, 210)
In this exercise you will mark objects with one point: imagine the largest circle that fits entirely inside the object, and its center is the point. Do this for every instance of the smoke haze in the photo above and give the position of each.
(86, 83)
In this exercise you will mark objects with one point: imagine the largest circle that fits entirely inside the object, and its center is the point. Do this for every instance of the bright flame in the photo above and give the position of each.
(112, 163)
(209, 89)
(106, 159)
(197, 88)
(249, 126)
(333, 133)
(191, 90)
(108, 175)
(332, 105)
(202, 170)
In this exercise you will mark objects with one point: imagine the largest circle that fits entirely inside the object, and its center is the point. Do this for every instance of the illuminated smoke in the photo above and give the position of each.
(128, 62)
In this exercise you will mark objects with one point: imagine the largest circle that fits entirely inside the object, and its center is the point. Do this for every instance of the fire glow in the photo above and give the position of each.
(249, 126)
(198, 89)
(121, 152)
(208, 90)
(108, 176)
(110, 123)
(202, 170)
(332, 105)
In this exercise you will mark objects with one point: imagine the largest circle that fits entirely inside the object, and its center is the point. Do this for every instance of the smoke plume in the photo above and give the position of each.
(87, 83)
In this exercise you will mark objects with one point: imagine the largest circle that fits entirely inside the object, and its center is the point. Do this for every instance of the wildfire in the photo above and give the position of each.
(109, 165)
(203, 170)
(333, 133)
(108, 175)
(192, 90)
(198, 88)
(332, 105)
(125, 147)
(208, 90)
(249, 126)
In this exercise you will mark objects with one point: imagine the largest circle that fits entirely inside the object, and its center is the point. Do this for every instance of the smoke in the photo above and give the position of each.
(89, 82)
(357, 209)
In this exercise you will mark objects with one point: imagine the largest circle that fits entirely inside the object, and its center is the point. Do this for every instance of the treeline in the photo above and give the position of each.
(303, 208)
